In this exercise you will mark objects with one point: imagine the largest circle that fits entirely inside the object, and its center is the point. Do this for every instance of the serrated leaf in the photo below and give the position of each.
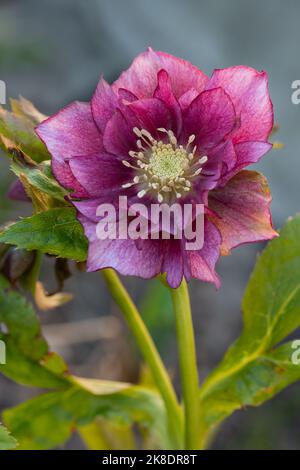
(252, 371)
(55, 231)
(7, 441)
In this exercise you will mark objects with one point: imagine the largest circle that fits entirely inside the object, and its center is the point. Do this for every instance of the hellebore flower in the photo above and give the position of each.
(164, 131)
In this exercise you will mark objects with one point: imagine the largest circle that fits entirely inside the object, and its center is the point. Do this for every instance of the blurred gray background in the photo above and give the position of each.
(54, 52)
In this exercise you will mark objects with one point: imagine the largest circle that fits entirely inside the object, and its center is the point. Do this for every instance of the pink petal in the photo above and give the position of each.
(242, 210)
(118, 137)
(246, 153)
(173, 262)
(248, 90)
(62, 172)
(103, 104)
(141, 77)
(211, 116)
(164, 92)
(202, 263)
(100, 174)
(151, 114)
(70, 132)
(122, 255)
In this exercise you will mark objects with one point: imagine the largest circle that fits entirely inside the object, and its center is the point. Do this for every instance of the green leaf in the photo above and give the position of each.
(28, 360)
(56, 232)
(41, 178)
(7, 442)
(18, 126)
(48, 420)
(252, 371)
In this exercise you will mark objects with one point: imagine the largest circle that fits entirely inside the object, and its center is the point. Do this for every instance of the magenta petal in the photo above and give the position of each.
(248, 90)
(186, 99)
(164, 92)
(122, 255)
(151, 114)
(70, 132)
(99, 173)
(211, 116)
(64, 175)
(242, 210)
(118, 137)
(246, 153)
(103, 104)
(202, 263)
(141, 77)
(173, 262)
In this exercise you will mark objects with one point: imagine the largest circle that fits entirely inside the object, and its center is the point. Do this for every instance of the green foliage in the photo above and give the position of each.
(28, 360)
(18, 127)
(7, 442)
(55, 231)
(254, 369)
(41, 178)
(49, 419)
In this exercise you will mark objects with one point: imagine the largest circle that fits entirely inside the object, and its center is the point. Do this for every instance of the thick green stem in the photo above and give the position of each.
(150, 353)
(188, 364)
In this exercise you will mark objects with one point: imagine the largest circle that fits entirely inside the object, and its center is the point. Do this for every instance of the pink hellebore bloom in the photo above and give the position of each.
(164, 131)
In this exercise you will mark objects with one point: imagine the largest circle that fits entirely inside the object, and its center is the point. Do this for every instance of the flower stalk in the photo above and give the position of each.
(187, 363)
(150, 354)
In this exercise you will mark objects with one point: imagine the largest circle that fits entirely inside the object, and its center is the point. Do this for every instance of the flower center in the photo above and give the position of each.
(165, 170)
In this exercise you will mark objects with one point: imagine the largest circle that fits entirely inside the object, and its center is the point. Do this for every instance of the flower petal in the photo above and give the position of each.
(123, 255)
(103, 104)
(62, 172)
(242, 212)
(164, 92)
(246, 153)
(151, 114)
(70, 132)
(141, 77)
(202, 263)
(248, 90)
(100, 174)
(173, 262)
(118, 137)
(211, 116)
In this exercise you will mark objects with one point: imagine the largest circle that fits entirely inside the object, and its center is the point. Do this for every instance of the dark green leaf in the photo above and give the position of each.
(56, 232)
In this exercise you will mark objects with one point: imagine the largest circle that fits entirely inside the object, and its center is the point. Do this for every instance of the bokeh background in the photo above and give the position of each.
(54, 52)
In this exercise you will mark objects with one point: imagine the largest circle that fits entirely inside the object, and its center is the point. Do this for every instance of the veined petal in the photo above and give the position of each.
(103, 104)
(141, 77)
(248, 90)
(164, 92)
(242, 209)
(100, 173)
(123, 255)
(202, 263)
(70, 132)
(210, 117)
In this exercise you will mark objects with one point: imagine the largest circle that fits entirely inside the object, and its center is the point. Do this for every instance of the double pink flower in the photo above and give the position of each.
(166, 132)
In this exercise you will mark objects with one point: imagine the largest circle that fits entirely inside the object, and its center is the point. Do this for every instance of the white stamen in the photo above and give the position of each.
(203, 160)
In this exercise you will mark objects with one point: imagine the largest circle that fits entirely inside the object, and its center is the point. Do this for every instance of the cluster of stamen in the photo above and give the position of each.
(164, 169)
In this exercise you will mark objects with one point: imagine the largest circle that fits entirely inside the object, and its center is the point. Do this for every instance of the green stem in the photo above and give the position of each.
(149, 351)
(188, 364)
